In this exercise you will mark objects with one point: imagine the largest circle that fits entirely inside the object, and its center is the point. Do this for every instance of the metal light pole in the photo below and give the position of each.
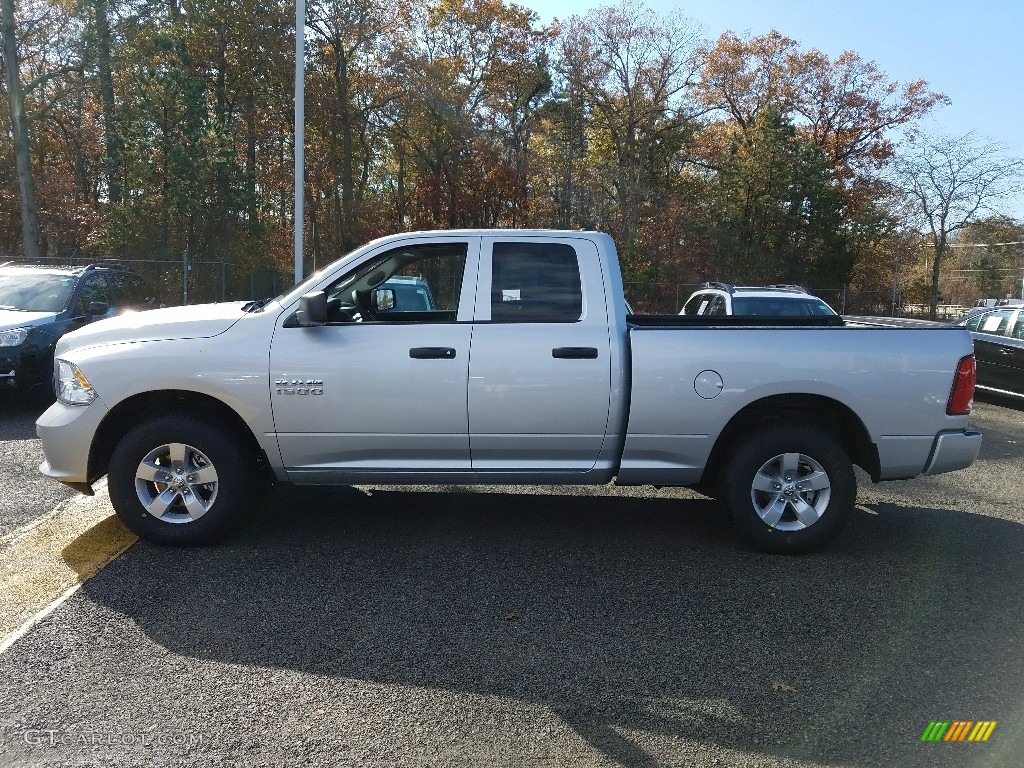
(300, 129)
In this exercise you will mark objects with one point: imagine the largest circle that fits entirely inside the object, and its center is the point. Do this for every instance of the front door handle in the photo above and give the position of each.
(575, 353)
(432, 353)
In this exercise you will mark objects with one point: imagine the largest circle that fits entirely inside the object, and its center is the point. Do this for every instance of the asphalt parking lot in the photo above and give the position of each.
(533, 627)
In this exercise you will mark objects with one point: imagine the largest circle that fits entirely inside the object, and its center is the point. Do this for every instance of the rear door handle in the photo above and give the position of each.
(575, 353)
(432, 353)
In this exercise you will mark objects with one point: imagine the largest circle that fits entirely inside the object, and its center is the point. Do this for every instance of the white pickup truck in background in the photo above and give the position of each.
(523, 367)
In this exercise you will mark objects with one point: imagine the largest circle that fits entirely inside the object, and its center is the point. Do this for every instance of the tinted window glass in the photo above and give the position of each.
(94, 289)
(129, 291)
(535, 283)
(779, 307)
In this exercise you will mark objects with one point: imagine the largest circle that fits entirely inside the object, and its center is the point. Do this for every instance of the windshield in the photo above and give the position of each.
(35, 291)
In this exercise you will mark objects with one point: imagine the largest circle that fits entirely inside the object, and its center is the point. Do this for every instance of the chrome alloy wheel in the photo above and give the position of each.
(790, 492)
(176, 483)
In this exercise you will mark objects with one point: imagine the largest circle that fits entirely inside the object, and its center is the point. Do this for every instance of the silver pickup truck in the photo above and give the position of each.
(524, 368)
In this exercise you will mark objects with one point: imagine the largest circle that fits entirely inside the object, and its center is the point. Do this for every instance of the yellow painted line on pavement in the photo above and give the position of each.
(45, 562)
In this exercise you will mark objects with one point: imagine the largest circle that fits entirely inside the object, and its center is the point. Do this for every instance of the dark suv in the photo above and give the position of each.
(39, 304)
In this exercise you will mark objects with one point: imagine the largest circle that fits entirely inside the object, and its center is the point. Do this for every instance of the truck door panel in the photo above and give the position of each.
(540, 364)
(380, 394)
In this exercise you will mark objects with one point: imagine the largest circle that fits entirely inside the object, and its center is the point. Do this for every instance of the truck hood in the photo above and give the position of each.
(12, 318)
(198, 321)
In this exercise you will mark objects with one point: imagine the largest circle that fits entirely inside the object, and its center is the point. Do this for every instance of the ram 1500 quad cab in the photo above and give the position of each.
(523, 367)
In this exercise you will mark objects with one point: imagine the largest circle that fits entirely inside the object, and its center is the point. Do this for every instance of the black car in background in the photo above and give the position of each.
(39, 304)
(998, 348)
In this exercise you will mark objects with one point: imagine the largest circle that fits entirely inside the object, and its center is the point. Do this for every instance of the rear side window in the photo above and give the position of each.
(129, 291)
(990, 322)
(717, 306)
(535, 283)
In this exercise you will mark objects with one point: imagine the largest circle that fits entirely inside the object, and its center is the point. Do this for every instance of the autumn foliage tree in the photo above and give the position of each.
(157, 130)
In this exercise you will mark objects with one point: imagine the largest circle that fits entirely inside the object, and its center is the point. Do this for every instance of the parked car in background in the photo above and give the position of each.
(771, 301)
(998, 348)
(989, 303)
(407, 294)
(39, 304)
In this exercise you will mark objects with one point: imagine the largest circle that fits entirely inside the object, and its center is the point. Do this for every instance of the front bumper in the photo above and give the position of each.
(67, 432)
(22, 368)
(10, 368)
(953, 450)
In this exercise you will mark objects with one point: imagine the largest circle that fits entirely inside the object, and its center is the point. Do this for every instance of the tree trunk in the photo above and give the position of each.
(19, 127)
(940, 250)
(400, 187)
(106, 80)
(342, 86)
(250, 158)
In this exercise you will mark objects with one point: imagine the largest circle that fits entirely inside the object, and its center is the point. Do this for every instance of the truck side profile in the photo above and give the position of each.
(525, 369)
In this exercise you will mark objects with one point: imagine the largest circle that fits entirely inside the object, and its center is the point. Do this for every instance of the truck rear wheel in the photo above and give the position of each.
(178, 481)
(788, 489)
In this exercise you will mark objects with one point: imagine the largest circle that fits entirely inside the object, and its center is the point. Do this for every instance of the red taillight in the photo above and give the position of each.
(961, 398)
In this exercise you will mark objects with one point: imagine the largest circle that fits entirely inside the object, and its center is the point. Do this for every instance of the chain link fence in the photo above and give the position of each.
(183, 281)
(201, 282)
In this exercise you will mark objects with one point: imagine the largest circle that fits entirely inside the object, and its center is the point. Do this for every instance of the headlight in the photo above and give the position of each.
(13, 337)
(72, 386)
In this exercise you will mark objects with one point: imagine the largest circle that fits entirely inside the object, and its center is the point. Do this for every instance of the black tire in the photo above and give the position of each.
(190, 472)
(788, 489)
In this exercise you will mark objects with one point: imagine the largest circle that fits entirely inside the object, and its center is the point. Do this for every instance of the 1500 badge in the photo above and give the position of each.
(299, 386)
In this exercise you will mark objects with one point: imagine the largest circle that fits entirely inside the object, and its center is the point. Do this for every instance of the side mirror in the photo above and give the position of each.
(312, 310)
(96, 309)
(384, 299)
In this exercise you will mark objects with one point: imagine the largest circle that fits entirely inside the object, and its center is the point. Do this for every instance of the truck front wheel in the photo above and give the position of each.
(789, 489)
(178, 481)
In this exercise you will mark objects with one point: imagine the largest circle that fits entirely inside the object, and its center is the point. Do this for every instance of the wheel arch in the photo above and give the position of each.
(135, 409)
(824, 413)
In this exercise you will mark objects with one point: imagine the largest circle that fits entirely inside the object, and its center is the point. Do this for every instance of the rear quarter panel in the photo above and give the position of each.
(896, 380)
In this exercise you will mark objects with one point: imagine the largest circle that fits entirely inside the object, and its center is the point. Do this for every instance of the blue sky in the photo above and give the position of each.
(970, 51)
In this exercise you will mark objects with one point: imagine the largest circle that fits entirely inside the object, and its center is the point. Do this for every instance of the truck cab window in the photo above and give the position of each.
(535, 283)
(418, 283)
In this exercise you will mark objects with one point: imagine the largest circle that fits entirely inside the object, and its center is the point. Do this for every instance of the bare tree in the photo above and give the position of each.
(952, 182)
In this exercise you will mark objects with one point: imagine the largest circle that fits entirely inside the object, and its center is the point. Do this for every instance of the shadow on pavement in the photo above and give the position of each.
(620, 614)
